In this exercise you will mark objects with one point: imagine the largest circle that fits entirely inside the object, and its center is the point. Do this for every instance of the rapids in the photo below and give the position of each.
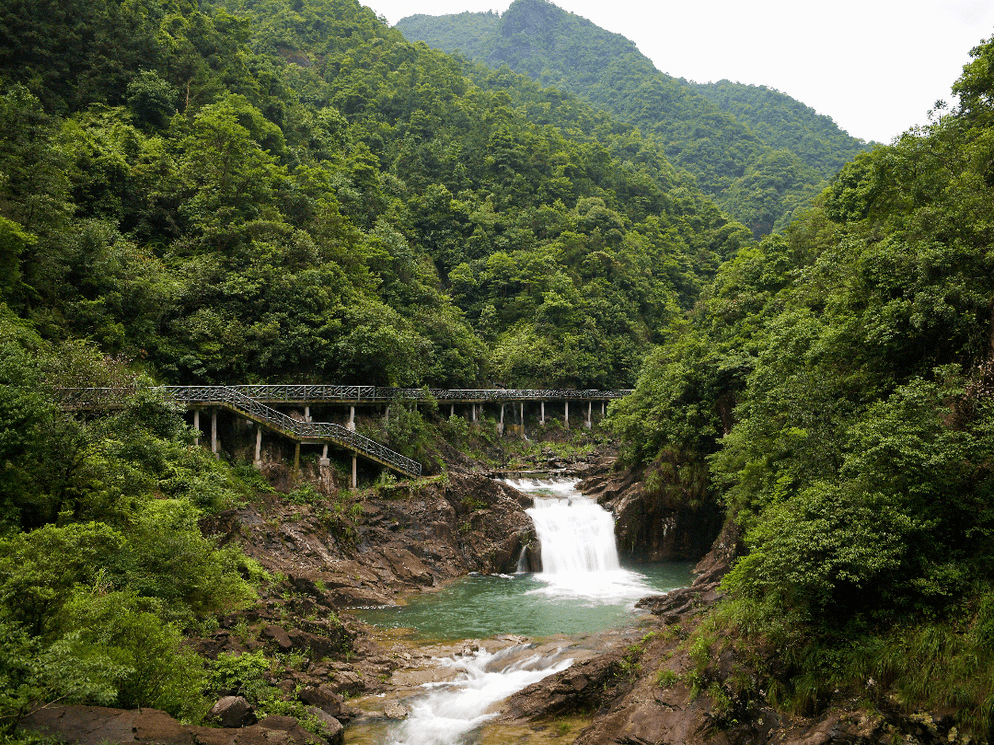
(582, 588)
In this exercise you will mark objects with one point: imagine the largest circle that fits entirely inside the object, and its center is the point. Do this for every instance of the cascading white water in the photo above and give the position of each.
(454, 708)
(576, 535)
(580, 567)
(578, 549)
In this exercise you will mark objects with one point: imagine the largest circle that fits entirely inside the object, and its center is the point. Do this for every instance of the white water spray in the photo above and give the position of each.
(579, 566)
(454, 708)
(579, 552)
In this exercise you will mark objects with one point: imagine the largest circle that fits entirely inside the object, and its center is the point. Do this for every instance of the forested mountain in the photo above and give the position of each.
(279, 191)
(784, 123)
(758, 166)
(834, 389)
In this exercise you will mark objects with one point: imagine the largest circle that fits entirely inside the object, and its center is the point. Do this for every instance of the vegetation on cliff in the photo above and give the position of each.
(103, 566)
(836, 379)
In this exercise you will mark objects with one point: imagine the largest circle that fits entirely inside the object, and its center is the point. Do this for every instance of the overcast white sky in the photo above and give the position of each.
(875, 66)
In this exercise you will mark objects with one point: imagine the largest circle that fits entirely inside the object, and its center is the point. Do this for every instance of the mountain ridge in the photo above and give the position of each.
(699, 131)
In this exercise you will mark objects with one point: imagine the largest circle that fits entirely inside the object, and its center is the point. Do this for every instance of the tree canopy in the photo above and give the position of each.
(836, 382)
(758, 153)
(278, 191)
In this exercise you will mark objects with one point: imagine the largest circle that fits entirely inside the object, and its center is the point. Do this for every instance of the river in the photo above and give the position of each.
(581, 589)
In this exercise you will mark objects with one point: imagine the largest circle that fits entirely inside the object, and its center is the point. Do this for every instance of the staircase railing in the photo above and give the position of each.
(235, 399)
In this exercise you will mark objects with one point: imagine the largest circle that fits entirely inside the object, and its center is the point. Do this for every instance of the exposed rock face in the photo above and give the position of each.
(422, 536)
(584, 686)
(649, 525)
(96, 725)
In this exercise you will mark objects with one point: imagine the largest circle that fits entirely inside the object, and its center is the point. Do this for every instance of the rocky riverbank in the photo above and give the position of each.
(658, 683)
(323, 558)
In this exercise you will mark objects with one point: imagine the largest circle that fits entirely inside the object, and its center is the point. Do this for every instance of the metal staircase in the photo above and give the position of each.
(232, 398)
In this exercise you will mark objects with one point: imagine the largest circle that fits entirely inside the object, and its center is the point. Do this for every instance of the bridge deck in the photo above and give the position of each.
(252, 402)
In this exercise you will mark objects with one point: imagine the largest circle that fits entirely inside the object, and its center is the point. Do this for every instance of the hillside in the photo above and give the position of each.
(783, 123)
(277, 194)
(758, 177)
(834, 391)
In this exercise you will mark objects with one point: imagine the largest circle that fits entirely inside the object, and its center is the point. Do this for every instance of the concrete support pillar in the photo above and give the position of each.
(452, 410)
(474, 413)
(296, 456)
(307, 414)
(214, 432)
(351, 424)
(541, 416)
(324, 470)
(590, 421)
(354, 484)
(566, 416)
(500, 425)
(603, 408)
(386, 417)
(521, 411)
(258, 445)
(196, 426)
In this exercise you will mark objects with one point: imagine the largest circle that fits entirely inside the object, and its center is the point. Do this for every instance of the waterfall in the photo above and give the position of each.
(576, 535)
(581, 577)
(578, 548)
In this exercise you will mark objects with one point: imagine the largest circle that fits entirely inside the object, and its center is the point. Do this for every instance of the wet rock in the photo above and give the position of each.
(395, 711)
(581, 687)
(232, 711)
(654, 525)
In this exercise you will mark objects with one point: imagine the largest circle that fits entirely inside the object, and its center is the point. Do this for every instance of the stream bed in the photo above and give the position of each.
(582, 591)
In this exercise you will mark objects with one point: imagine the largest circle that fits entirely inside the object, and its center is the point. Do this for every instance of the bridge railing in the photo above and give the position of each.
(375, 394)
(309, 392)
(250, 399)
(236, 399)
(303, 430)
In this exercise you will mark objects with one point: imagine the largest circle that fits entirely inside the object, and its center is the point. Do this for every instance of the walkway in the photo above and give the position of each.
(252, 402)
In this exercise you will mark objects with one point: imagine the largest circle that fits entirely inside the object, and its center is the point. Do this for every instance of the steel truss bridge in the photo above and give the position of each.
(252, 402)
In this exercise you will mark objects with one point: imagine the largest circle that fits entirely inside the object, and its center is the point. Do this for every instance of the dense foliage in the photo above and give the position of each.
(102, 562)
(286, 191)
(837, 379)
(784, 123)
(278, 191)
(760, 154)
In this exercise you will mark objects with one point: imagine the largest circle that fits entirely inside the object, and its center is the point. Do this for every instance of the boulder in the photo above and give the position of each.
(395, 711)
(323, 698)
(232, 711)
(279, 636)
(330, 727)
